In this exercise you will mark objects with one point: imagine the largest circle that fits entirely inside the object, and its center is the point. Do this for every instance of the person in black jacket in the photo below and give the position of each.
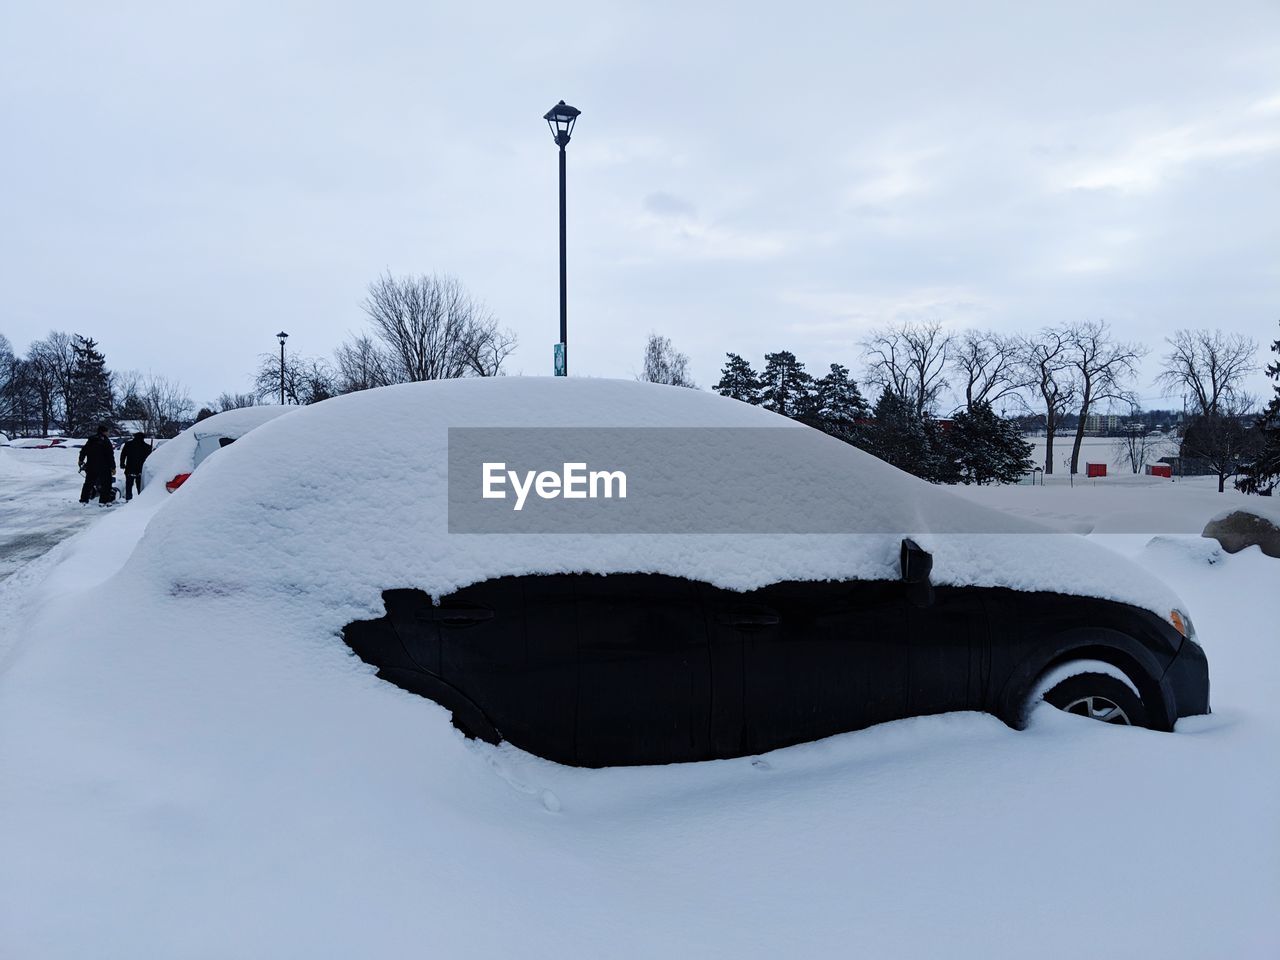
(98, 461)
(132, 455)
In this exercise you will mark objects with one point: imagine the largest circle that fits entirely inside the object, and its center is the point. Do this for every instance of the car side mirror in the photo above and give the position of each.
(917, 564)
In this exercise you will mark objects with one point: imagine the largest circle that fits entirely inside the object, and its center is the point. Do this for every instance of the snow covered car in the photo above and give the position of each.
(45, 443)
(174, 461)
(644, 668)
(877, 597)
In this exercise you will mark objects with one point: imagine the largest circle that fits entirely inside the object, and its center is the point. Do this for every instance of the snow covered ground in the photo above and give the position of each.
(194, 788)
(1105, 450)
(39, 503)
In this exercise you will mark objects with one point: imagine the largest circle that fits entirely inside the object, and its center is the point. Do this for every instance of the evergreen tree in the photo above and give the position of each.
(898, 436)
(1262, 474)
(838, 404)
(785, 387)
(983, 448)
(88, 400)
(131, 407)
(738, 380)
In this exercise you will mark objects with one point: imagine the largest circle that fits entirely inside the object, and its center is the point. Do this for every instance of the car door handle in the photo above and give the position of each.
(749, 618)
(457, 616)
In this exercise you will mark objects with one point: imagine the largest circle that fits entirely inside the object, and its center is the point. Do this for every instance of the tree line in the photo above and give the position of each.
(423, 327)
(427, 327)
(419, 328)
(1058, 376)
(973, 446)
(63, 382)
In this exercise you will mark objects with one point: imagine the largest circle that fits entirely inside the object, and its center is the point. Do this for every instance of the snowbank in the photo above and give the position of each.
(192, 772)
(317, 505)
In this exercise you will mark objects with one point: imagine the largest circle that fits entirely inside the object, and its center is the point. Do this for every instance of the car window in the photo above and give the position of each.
(205, 445)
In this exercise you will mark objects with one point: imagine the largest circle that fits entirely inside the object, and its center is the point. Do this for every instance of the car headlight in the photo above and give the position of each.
(1182, 623)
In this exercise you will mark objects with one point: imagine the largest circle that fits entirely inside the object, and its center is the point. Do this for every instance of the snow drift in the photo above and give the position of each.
(187, 771)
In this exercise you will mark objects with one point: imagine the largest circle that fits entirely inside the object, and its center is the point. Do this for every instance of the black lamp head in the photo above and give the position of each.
(561, 119)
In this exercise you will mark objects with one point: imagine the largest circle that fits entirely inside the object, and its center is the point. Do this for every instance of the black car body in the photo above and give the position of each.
(594, 670)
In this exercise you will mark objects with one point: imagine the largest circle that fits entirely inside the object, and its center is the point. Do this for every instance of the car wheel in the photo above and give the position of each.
(1099, 697)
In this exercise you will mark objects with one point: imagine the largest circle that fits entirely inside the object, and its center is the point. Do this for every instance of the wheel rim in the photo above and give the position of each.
(1099, 708)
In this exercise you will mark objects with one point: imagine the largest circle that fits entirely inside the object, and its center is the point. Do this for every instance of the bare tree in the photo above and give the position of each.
(362, 365)
(487, 352)
(7, 362)
(19, 401)
(128, 402)
(1138, 445)
(57, 360)
(988, 365)
(272, 372)
(1102, 369)
(1046, 360)
(910, 361)
(125, 384)
(663, 363)
(167, 405)
(317, 381)
(1208, 365)
(41, 368)
(10, 384)
(433, 329)
(1222, 442)
(306, 379)
(234, 401)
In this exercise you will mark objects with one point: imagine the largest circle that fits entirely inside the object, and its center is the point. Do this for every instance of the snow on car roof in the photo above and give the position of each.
(318, 508)
(178, 455)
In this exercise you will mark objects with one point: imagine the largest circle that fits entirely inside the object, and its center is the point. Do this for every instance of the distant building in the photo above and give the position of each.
(1101, 424)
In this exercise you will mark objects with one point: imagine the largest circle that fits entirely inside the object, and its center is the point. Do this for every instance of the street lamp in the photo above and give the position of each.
(561, 119)
(283, 337)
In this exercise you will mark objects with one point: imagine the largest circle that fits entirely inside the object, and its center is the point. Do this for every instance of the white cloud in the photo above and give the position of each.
(1151, 160)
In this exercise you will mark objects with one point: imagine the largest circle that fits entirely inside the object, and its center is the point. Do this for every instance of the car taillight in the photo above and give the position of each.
(176, 482)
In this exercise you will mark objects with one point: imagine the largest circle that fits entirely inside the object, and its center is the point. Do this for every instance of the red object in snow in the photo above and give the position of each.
(1160, 470)
(176, 482)
(1095, 469)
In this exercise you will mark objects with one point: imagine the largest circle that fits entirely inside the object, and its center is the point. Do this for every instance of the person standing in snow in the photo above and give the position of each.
(132, 455)
(98, 461)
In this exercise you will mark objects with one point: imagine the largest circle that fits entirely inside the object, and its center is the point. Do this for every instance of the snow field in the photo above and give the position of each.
(193, 765)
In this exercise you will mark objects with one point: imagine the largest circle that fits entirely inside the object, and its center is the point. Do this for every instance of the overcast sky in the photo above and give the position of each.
(183, 180)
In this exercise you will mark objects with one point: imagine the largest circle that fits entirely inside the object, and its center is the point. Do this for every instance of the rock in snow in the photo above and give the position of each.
(1241, 528)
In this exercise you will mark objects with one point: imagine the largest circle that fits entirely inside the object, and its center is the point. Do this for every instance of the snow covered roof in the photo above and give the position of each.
(321, 509)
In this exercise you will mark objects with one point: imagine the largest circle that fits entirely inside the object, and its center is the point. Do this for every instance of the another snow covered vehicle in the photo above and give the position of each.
(175, 460)
(745, 583)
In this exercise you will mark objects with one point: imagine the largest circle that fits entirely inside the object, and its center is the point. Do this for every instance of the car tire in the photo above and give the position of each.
(1100, 697)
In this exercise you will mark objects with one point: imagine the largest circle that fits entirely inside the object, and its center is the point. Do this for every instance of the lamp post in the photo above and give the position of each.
(283, 337)
(561, 119)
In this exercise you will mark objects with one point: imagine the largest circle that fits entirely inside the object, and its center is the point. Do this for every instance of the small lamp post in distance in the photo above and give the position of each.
(282, 337)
